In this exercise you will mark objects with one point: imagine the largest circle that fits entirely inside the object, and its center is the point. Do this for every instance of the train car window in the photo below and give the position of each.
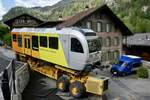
(43, 41)
(20, 40)
(35, 45)
(76, 45)
(28, 43)
(14, 37)
(25, 42)
(53, 42)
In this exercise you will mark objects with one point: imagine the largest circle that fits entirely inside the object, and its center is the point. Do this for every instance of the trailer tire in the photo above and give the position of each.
(77, 89)
(63, 84)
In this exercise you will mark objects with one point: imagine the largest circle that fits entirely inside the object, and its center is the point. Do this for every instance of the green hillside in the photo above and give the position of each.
(134, 13)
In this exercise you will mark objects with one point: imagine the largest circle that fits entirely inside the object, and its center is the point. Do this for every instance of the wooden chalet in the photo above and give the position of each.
(50, 24)
(23, 20)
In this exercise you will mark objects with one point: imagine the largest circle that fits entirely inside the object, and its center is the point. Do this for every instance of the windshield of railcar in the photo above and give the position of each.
(94, 45)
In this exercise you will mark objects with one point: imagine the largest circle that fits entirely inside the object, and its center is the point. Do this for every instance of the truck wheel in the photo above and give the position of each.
(63, 84)
(77, 89)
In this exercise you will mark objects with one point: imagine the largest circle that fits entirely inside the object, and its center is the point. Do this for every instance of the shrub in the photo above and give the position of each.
(3, 30)
(7, 39)
(142, 72)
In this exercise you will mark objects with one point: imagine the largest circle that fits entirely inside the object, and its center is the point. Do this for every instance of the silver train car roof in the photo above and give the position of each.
(85, 32)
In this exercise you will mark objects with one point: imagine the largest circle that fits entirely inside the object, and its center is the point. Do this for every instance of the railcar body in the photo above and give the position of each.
(72, 48)
(67, 55)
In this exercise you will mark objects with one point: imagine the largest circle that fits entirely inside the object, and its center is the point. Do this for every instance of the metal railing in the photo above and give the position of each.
(146, 63)
(9, 83)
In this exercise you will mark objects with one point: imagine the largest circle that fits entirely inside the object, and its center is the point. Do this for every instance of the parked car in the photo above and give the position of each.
(126, 65)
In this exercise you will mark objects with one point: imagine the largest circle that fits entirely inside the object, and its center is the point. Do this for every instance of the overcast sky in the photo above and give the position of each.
(6, 5)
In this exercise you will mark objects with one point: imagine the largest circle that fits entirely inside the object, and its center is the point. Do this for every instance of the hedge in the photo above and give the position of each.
(142, 72)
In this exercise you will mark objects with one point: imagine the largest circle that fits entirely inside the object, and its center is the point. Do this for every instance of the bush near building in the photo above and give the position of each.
(143, 72)
(5, 37)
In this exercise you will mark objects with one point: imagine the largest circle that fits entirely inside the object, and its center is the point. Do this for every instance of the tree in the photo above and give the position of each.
(4, 29)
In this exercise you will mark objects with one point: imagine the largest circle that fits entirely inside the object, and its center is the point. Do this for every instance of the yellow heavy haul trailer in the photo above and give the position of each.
(67, 55)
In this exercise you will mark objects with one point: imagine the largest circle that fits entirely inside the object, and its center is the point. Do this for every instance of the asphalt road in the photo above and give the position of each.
(40, 88)
(126, 88)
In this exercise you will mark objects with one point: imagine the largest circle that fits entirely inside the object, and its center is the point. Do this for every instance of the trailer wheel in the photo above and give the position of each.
(63, 84)
(77, 89)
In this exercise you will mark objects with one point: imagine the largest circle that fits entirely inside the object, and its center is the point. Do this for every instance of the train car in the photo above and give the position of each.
(70, 48)
(69, 54)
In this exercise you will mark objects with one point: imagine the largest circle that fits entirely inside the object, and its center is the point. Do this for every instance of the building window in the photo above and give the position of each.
(116, 55)
(109, 55)
(103, 27)
(100, 41)
(53, 42)
(20, 40)
(112, 55)
(14, 37)
(99, 27)
(76, 45)
(94, 26)
(89, 25)
(107, 41)
(103, 57)
(83, 24)
(43, 41)
(108, 27)
(116, 41)
(124, 40)
(35, 45)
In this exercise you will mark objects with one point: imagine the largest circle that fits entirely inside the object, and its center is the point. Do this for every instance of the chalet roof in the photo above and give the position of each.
(104, 9)
(140, 39)
(51, 23)
(7, 21)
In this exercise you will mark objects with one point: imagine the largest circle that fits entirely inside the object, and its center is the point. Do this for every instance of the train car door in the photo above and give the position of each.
(27, 45)
(76, 54)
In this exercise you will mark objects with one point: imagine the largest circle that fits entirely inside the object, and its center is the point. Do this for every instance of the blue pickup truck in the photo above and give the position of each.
(126, 65)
